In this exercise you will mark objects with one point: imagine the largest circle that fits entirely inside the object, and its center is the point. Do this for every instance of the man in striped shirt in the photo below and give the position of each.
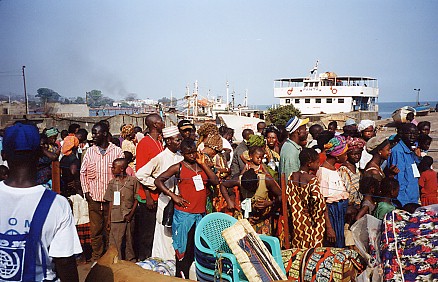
(95, 175)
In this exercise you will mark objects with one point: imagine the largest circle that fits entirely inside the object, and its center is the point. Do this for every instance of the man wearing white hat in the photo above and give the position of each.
(289, 161)
(162, 246)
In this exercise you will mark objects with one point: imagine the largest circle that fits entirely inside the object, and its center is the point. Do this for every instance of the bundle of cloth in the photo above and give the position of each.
(322, 264)
(409, 245)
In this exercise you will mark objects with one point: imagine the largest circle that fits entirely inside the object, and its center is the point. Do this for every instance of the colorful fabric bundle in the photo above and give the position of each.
(127, 130)
(51, 132)
(70, 142)
(164, 267)
(256, 140)
(322, 264)
(409, 245)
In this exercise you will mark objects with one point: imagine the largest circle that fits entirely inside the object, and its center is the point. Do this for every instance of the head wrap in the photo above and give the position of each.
(208, 129)
(170, 131)
(365, 123)
(256, 140)
(350, 122)
(355, 143)
(214, 142)
(127, 130)
(21, 137)
(376, 142)
(336, 146)
(294, 123)
(52, 132)
(205, 130)
(70, 142)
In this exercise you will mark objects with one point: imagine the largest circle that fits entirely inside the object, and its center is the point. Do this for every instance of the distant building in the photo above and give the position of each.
(135, 103)
(67, 110)
(13, 108)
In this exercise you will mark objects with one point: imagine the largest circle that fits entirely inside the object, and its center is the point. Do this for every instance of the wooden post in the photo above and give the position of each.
(56, 177)
(284, 211)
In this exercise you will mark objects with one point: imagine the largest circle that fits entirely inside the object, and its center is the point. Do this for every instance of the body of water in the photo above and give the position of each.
(385, 109)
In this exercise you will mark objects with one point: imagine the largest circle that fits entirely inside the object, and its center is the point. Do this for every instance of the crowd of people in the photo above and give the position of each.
(145, 190)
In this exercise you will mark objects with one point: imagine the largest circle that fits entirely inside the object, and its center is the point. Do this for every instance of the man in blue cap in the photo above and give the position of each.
(37, 229)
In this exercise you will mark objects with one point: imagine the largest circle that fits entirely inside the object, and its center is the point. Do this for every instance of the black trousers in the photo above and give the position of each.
(189, 256)
(144, 231)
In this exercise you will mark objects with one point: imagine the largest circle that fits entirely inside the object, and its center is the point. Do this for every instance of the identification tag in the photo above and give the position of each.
(199, 184)
(415, 170)
(116, 198)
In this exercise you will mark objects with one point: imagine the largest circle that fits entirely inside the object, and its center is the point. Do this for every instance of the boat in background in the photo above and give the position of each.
(328, 93)
(399, 115)
(422, 110)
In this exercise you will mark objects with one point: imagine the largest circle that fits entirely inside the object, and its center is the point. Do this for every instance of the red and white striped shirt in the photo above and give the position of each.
(96, 170)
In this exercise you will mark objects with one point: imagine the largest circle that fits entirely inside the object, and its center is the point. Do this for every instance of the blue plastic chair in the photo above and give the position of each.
(209, 242)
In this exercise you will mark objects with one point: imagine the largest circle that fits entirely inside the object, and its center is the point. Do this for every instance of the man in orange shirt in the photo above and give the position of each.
(147, 148)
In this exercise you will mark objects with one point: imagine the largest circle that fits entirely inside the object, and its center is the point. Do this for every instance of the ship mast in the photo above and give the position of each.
(228, 92)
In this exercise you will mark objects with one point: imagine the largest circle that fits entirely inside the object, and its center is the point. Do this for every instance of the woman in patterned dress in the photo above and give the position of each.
(306, 203)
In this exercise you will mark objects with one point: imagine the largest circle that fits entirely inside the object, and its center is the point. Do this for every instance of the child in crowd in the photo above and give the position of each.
(428, 182)
(424, 142)
(121, 195)
(306, 203)
(367, 187)
(129, 158)
(389, 188)
(4, 172)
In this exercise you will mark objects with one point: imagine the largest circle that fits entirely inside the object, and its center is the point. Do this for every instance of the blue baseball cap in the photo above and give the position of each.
(21, 137)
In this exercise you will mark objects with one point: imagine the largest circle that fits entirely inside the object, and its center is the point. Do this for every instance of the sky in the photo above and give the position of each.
(155, 48)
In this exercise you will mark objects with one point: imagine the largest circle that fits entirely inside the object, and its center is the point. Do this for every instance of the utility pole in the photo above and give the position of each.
(418, 96)
(228, 85)
(25, 92)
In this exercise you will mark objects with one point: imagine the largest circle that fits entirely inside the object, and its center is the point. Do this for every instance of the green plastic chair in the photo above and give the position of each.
(209, 240)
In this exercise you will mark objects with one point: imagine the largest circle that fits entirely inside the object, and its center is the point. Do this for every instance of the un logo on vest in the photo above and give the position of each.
(11, 264)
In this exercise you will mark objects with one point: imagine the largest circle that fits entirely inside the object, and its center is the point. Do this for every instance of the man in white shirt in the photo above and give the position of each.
(162, 247)
(48, 254)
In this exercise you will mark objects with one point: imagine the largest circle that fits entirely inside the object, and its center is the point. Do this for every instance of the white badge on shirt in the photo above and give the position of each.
(415, 170)
(199, 184)
(116, 198)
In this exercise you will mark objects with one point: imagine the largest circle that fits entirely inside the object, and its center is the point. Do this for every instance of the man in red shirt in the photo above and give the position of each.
(147, 148)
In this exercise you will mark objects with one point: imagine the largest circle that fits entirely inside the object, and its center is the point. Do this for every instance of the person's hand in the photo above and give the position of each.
(200, 158)
(262, 204)
(180, 201)
(128, 217)
(231, 206)
(331, 235)
(417, 152)
(393, 169)
(150, 204)
(88, 197)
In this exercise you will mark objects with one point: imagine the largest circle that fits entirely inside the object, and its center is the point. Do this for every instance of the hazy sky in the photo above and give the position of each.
(154, 47)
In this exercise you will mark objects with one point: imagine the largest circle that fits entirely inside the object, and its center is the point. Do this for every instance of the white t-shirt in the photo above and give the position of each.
(59, 236)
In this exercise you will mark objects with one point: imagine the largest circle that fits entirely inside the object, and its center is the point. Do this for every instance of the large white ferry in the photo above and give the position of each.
(328, 93)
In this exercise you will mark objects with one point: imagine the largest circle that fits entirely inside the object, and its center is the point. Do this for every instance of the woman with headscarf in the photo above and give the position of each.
(70, 166)
(49, 152)
(367, 130)
(272, 150)
(349, 172)
(380, 150)
(217, 163)
(128, 144)
(334, 191)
